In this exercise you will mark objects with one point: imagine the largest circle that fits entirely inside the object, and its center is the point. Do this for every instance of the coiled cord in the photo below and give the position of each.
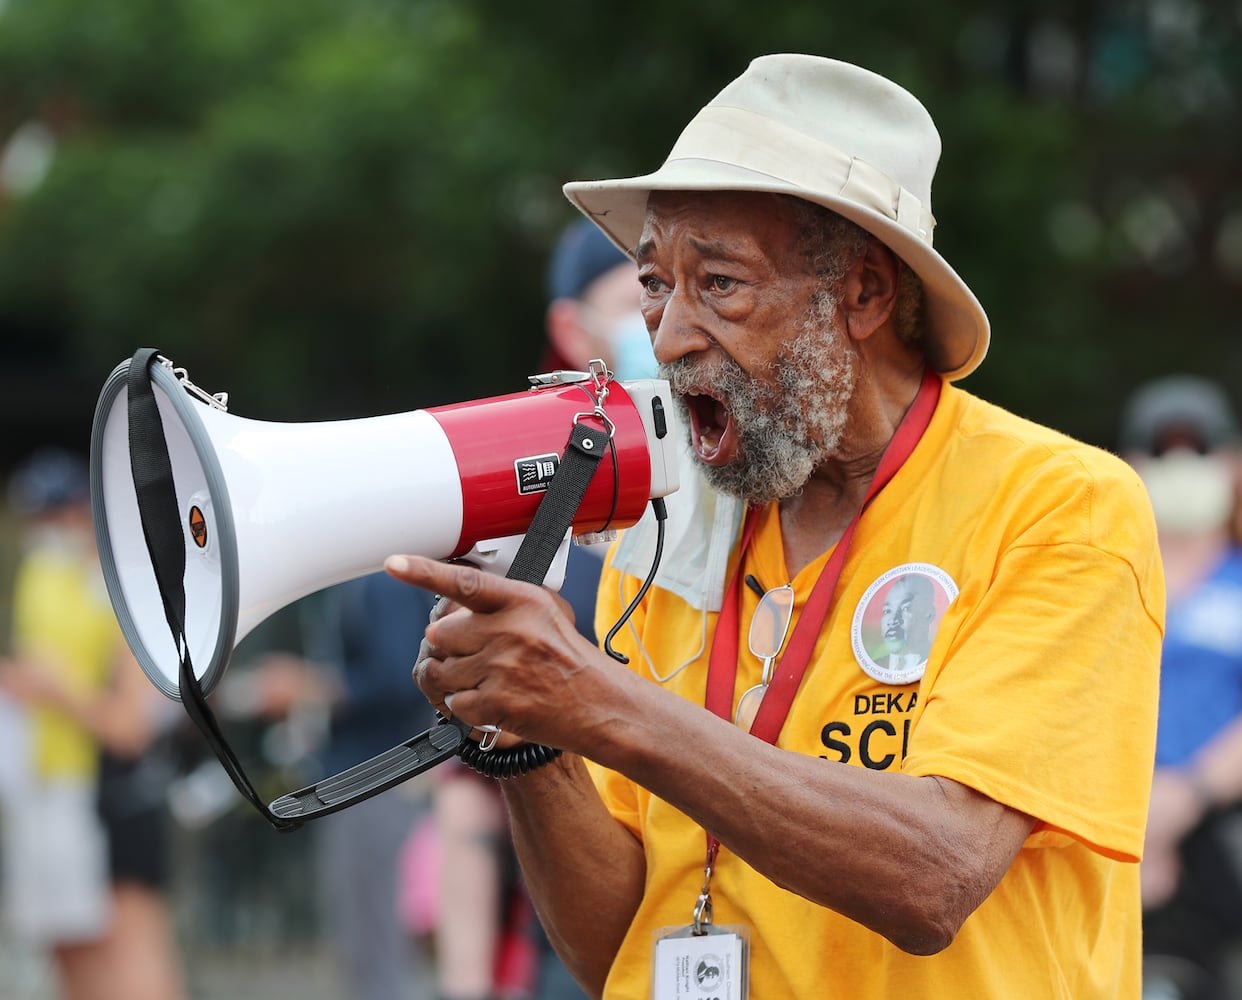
(512, 762)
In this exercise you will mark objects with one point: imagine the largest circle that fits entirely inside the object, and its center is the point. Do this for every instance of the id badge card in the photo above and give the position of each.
(712, 965)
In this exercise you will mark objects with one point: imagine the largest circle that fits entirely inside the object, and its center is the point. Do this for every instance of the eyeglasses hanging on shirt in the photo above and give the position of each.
(768, 629)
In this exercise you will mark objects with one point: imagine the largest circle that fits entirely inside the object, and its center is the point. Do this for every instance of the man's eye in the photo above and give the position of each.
(721, 283)
(651, 284)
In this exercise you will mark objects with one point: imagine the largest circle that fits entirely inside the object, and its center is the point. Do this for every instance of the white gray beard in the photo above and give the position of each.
(785, 427)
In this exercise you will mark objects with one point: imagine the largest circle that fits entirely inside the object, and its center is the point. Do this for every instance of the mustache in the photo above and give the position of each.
(689, 376)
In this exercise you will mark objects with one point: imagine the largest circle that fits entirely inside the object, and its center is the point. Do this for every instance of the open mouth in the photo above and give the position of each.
(710, 428)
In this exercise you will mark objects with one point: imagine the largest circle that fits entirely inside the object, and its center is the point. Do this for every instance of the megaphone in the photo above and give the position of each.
(270, 512)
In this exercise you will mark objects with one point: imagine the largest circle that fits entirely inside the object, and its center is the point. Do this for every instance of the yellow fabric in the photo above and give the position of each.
(63, 621)
(1040, 691)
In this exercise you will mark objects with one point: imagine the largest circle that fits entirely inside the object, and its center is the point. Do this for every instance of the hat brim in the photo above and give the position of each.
(957, 327)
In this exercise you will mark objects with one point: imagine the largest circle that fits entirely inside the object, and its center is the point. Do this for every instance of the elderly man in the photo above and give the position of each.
(971, 832)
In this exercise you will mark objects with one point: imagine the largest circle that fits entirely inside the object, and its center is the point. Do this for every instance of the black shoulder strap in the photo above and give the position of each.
(161, 527)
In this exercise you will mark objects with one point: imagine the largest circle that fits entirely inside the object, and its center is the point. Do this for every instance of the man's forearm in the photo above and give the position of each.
(585, 872)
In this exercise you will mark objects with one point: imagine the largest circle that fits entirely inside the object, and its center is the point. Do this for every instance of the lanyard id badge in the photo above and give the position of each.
(712, 964)
(704, 960)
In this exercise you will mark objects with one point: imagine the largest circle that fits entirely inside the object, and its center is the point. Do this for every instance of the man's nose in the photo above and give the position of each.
(681, 330)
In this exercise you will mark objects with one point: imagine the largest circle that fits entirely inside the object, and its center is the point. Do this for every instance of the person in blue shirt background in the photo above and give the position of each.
(360, 640)
(1181, 435)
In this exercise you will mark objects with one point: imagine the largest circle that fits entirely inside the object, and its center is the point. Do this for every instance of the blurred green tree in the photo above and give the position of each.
(341, 208)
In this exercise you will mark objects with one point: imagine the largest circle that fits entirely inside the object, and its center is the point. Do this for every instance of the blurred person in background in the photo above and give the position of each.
(593, 306)
(85, 849)
(592, 313)
(487, 942)
(1181, 435)
(360, 638)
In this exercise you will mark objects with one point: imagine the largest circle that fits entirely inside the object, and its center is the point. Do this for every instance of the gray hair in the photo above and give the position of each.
(832, 243)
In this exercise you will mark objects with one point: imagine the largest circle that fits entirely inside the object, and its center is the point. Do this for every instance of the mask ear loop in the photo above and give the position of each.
(661, 514)
(603, 378)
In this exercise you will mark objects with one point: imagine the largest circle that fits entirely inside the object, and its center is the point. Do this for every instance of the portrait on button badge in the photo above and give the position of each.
(895, 622)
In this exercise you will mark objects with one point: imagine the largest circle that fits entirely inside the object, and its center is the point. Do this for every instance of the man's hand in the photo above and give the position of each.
(500, 652)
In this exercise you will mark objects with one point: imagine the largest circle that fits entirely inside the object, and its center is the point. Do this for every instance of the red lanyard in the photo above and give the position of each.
(722, 666)
(722, 670)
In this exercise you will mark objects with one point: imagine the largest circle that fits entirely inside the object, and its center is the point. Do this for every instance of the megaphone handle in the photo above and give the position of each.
(375, 775)
(552, 520)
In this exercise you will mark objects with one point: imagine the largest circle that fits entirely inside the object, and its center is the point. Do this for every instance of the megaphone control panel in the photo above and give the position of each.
(651, 399)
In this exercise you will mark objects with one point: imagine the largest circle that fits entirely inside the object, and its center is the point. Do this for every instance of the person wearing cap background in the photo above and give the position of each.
(593, 306)
(85, 856)
(1181, 434)
(592, 313)
(974, 832)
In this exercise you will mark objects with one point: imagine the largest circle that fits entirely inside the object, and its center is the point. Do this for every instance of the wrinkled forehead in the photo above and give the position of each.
(759, 219)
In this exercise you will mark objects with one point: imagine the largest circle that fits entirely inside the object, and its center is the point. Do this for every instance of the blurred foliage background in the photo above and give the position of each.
(335, 208)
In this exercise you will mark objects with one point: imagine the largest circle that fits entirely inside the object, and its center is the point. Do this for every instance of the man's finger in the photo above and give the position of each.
(467, 586)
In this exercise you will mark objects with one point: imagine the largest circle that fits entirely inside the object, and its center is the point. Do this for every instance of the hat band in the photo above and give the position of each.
(746, 139)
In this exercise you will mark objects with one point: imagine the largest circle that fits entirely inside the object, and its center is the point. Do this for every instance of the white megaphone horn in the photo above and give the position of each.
(270, 512)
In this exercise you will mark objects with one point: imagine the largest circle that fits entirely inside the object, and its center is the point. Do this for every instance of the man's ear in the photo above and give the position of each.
(869, 291)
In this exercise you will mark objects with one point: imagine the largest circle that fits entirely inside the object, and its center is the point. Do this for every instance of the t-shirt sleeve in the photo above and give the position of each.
(1045, 698)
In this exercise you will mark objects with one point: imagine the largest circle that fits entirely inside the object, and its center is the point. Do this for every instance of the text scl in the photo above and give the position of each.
(878, 743)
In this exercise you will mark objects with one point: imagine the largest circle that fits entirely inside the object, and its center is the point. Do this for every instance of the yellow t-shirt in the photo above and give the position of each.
(1038, 556)
(62, 618)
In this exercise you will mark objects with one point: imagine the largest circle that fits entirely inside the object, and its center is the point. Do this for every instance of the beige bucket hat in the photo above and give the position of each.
(831, 133)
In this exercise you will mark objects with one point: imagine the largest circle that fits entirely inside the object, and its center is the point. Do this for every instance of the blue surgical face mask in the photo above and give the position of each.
(631, 349)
